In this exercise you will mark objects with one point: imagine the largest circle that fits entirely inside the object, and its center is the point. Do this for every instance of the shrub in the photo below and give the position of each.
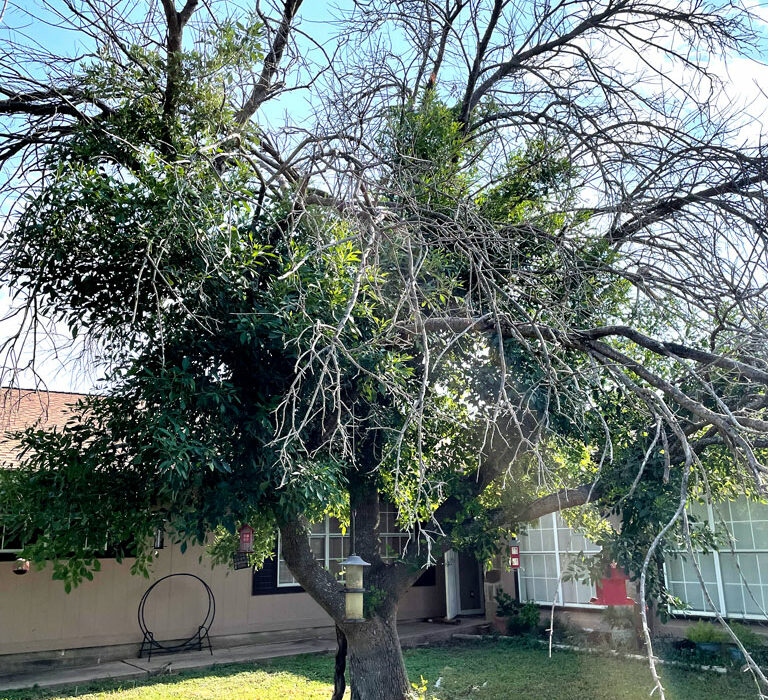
(529, 613)
(705, 632)
(506, 605)
(521, 617)
(747, 636)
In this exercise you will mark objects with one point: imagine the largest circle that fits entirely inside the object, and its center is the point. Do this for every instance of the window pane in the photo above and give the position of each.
(674, 569)
(739, 509)
(760, 532)
(337, 547)
(752, 601)
(759, 511)
(317, 545)
(742, 533)
(729, 568)
(284, 576)
(734, 602)
(534, 541)
(749, 570)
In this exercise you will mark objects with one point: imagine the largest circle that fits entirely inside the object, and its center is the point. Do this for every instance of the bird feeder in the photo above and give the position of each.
(246, 539)
(612, 589)
(514, 556)
(21, 567)
(353, 590)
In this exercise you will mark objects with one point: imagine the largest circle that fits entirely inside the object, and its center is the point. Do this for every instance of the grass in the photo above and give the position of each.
(488, 670)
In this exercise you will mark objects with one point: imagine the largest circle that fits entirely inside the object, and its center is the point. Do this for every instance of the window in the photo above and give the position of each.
(546, 550)
(330, 547)
(736, 578)
(394, 541)
(328, 544)
(10, 545)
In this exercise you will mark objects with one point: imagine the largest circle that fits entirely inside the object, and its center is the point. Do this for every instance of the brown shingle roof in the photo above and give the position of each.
(24, 408)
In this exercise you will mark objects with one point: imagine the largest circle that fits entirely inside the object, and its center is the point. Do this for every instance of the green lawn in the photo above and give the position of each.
(482, 671)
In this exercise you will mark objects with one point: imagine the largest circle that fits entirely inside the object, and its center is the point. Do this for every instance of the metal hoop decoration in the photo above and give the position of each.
(196, 641)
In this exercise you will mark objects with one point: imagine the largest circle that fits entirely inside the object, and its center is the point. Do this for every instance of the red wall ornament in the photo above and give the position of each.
(612, 589)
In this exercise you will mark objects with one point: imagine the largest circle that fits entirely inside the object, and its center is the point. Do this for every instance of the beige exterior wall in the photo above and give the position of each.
(37, 615)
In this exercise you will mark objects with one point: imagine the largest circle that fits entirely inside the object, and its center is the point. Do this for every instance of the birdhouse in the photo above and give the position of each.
(246, 539)
(353, 591)
(612, 589)
(21, 567)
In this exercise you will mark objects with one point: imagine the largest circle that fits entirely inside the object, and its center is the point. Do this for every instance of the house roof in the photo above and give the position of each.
(26, 408)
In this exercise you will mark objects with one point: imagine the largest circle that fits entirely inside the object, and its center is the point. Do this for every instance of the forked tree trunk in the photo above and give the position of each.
(376, 668)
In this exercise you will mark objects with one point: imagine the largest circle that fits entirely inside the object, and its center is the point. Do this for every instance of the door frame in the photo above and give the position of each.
(451, 558)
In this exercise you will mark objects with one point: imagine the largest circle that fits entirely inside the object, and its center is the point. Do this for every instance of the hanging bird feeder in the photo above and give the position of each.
(246, 539)
(353, 589)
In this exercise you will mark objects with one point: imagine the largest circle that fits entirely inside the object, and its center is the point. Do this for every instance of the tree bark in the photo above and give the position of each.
(376, 667)
(339, 681)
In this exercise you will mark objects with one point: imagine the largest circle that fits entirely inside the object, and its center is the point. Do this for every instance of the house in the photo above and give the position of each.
(99, 618)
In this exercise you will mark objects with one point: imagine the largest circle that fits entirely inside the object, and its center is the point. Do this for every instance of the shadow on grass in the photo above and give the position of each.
(480, 670)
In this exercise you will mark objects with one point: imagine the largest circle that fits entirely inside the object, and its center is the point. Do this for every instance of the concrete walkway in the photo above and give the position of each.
(411, 634)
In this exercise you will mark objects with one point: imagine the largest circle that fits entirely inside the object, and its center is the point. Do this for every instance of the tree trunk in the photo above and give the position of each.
(339, 681)
(376, 668)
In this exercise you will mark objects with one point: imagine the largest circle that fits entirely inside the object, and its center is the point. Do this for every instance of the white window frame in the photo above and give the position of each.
(718, 565)
(557, 551)
(403, 536)
(326, 536)
(3, 548)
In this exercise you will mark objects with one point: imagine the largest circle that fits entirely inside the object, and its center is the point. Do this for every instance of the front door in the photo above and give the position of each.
(463, 585)
(470, 585)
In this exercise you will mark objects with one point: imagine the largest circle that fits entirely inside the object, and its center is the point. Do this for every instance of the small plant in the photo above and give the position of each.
(521, 617)
(506, 605)
(706, 633)
(529, 613)
(419, 690)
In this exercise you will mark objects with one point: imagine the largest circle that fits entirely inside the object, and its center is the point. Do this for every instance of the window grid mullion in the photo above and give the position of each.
(718, 571)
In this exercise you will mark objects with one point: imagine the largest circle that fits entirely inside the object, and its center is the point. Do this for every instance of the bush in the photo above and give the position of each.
(506, 605)
(521, 617)
(529, 613)
(747, 636)
(706, 633)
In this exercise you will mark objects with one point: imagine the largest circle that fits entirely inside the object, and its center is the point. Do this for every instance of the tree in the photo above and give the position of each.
(482, 253)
